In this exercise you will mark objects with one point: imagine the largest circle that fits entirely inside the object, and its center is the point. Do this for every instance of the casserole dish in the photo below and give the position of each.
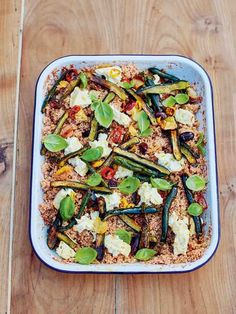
(179, 66)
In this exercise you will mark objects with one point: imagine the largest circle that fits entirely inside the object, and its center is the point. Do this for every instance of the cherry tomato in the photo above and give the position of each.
(54, 104)
(71, 75)
(129, 105)
(108, 173)
(73, 111)
(67, 131)
(200, 199)
(116, 135)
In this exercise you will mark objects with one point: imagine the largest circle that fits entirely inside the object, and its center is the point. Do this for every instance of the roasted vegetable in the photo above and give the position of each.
(80, 186)
(175, 144)
(130, 222)
(135, 243)
(138, 82)
(106, 163)
(152, 241)
(155, 98)
(100, 246)
(67, 240)
(141, 177)
(141, 102)
(189, 154)
(134, 140)
(190, 198)
(84, 203)
(164, 75)
(109, 97)
(91, 169)
(93, 130)
(61, 122)
(142, 161)
(164, 88)
(64, 159)
(67, 227)
(52, 233)
(165, 212)
(111, 86)
(168, 123)
(131, 211)
(69, 88)
(101, 206)
(186, 136)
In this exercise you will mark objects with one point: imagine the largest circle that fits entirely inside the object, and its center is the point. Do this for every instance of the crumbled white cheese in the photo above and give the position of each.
(156, 79)
(102, 141)
(149, 195)
(65, 251)
(112, 200)
(79, 165)
(168, 160)
(184, 116)
(60, 195)
(112, 74)
(116, 246)
(80, 98)
(180, 228)
(120, 117)
(86, 222)
(73, 145)
(123, 172)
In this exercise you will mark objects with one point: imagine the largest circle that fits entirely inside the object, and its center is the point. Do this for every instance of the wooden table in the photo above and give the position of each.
(46, 29)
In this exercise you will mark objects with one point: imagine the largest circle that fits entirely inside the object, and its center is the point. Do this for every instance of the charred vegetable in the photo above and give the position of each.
(67, 240)
(130, 222)
(111, 86)
(80, 186)
(131, 211)
(110, 96)
(165, 212)
(93, 130)
(175, 144)
(135, 243)
(168, 123)
(100, 246)
(52, 233)
(190, 198)
(165, 88)
(142, 161)
(64, 159)
(186, 136)
(155, 99)
(84, 203)
(189, 154)
(101, 206)
(130, 143)
(164, 75)
(60, 123)
(69, 226)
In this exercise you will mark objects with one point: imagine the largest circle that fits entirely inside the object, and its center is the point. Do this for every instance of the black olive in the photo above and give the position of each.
(112, 183)
(186, 136)
(86, 133)
(160, 114)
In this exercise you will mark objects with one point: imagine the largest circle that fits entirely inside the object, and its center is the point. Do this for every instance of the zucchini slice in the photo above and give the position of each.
(80, 186)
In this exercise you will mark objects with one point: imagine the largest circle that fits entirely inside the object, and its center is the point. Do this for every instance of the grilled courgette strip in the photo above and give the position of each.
(80, 186)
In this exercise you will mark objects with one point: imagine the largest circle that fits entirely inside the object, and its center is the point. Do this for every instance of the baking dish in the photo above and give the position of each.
(179, 66)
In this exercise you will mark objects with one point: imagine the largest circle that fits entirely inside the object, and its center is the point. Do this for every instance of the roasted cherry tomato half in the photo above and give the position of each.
(116, 135)
(73, 111)
(54, 104)
(71, 75)
(108, 173)
(200, 199)
(129, 105)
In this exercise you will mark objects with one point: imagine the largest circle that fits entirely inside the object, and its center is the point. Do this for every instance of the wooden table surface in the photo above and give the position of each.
(35, 32)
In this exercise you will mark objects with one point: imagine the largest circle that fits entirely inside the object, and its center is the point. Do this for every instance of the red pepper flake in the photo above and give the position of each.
(54, 104)
(73, 111)
(129, 105)
(143, 147)
(71, 75)
(116, 135)
(200, 199)
(108, 173)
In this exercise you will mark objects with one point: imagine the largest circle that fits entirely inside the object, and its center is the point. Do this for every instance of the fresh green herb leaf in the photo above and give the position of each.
(200, 144)
(129, 185)
(195, 209)
(84, 79)
(169, 102)
(94, 180)
(85, 255)
(127, 85)
(181, 98)
(92, 154)
(195, 183)
(93, 95)
(143, 121)
(67, 208)
(145, 254)
(55, 143)
(124, 235)
(104, 114)
(161, 184)
(146, 133)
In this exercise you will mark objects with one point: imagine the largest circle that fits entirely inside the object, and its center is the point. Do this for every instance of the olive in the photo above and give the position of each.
(143, 147)
(186, 136)
(160, 114)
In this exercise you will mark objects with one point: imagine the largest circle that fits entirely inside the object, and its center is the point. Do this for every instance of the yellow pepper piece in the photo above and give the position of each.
(133, 131)
(130, 205)
(138, 106)
(73, 195)
(114, 73)
(63, 169)
(63, 83)
(124, 203)
(97, 163)
(100, 226)
(81, 116)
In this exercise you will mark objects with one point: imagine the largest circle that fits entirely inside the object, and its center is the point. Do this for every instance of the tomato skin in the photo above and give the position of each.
(116, 135)
(129, 105)
(71, 75)
(108, 173)
(73, 111)
(200, 199)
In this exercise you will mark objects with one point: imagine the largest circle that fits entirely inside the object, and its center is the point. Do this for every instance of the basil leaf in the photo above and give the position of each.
(143, 121)
(195, 209)
(161, 184)
(92, 154)
(129, 185)
(127, 85)
(200, 144)
(55, 143)
(83, 79)
(85, 255)
(169, 102)
(146, 133)
(124, 235)
(67, 208)
(104, 114)
(181, 98)
(145, 254)
(94, 180)
(195, 183)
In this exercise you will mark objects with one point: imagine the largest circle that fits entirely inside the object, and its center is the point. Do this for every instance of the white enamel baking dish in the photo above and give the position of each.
(178, 65)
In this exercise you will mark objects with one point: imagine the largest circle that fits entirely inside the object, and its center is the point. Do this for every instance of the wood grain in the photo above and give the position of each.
(203, 30)
(9, 15)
